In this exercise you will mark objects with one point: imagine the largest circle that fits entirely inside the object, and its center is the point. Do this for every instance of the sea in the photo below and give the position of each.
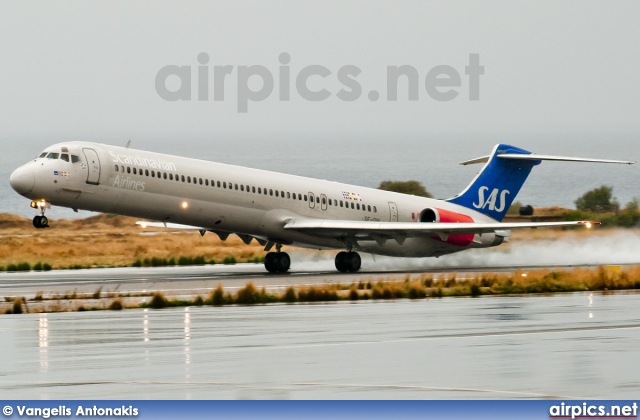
(367, 160)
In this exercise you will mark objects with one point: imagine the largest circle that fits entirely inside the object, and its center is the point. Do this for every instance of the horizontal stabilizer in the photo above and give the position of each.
(533, 156)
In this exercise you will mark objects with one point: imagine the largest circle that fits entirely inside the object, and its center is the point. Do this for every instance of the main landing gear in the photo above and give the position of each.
(348, 262)
(277, 262)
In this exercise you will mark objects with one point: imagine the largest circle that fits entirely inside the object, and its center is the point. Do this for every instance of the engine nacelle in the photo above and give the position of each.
(436, 215)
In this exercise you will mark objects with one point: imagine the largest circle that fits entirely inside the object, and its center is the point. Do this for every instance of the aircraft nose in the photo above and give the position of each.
(22, 180)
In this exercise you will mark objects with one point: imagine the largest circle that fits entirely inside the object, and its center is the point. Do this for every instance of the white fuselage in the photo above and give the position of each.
(224, 198)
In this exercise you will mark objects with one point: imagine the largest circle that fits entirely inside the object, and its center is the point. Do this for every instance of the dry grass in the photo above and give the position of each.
(108, 241)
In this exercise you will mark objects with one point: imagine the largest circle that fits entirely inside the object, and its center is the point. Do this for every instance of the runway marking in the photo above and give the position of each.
(438, 388)
(282, 387)
(431, 338)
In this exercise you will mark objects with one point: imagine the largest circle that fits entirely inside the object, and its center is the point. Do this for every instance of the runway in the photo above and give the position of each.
(579, 345)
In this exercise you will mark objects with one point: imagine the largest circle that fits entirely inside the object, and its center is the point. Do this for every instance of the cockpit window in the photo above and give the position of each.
(43, 154)
(64, 157)
(75, 159)
(53, 155)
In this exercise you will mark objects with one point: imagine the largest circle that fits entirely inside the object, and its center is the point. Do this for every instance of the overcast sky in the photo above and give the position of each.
(87, 70)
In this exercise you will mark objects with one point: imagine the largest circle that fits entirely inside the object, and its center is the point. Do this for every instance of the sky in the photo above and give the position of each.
(554, 74)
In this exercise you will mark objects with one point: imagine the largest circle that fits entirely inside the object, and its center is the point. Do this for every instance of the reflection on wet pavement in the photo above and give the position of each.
(581, 345)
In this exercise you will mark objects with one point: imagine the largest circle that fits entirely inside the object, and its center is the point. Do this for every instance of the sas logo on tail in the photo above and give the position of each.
(490, 202)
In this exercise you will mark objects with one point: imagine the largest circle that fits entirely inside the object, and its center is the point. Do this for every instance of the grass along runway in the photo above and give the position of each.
(417, 287)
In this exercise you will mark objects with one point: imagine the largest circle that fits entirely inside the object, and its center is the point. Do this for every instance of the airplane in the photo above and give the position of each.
(277, 209)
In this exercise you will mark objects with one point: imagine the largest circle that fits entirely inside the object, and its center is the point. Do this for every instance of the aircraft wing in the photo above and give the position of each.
(167, 226)
(342, 228)
(222, 235)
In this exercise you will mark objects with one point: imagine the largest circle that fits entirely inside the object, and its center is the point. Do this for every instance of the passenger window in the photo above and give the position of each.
(375, 210)
(189, 179)
(324, 200)
(351, 205)
(282, 194)
(236, 185)
(170, 177)
(317, 199)
(276, 193)
(75, 159)
(294, 196)
(369, 208)
(305, 197)
(341, 203)
(117, 168)
(224, 185)
(65, 157)
(182, 177)
(253, 190)
(164, 175)
(134, 171)
(300, 197)
(259, 190)
(358, 206)
(270, 192)
(128, 170)
(241, 187)
(218, 184)
(200, 181)
(206, 182)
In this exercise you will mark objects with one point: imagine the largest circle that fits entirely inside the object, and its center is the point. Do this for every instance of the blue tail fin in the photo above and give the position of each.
(496, 186)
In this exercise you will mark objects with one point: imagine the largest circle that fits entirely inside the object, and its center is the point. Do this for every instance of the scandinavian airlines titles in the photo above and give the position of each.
(144, 162)
(490, 202)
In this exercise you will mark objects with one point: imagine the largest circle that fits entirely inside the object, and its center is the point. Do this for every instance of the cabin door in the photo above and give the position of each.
(94, 166)
(393, 212)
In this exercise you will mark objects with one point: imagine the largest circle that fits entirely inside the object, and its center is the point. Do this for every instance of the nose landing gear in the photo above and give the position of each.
(41, 221)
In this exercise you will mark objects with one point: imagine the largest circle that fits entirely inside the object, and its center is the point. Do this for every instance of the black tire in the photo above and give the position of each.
(270, 262)
(342, 260)
(36, 222)
(283, 262)
(355, 262)
(44, 222)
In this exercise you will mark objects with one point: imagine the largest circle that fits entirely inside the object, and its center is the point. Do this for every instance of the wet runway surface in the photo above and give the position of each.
(582, 345)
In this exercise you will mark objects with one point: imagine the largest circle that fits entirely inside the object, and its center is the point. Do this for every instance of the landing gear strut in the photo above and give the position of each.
(277, 262)
(348, 262)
